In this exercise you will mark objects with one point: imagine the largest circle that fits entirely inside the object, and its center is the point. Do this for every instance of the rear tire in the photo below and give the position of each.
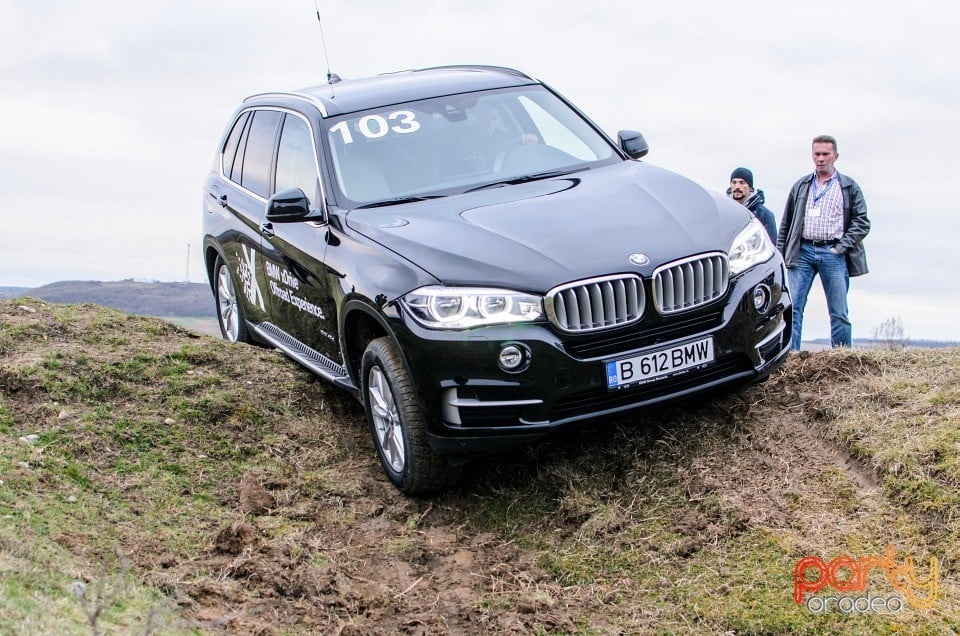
(233, 325)
(398, 423)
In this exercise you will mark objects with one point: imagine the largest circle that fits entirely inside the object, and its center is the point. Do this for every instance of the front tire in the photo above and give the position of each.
(398, 424)
(233, 325)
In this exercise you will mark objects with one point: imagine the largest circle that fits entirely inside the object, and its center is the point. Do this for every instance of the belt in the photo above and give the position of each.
(822, 243)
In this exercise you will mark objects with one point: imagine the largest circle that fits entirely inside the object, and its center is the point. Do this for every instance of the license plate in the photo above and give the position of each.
(659, 364)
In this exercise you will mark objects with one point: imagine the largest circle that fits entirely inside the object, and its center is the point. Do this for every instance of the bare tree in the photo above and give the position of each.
(889, 334)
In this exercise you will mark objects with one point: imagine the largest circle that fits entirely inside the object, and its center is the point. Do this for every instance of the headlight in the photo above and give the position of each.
(462, 307)
(751, 247)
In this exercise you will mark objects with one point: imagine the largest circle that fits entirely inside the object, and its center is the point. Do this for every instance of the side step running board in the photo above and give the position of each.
(304, 355)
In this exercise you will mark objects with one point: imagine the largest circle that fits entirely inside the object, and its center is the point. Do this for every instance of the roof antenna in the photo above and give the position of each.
(332, 78)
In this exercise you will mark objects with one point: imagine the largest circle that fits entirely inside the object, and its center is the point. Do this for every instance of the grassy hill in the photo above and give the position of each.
(135, 297)
(158, 481)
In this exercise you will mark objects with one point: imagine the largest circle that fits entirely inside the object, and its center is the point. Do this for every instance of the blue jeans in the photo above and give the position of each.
(835, 279)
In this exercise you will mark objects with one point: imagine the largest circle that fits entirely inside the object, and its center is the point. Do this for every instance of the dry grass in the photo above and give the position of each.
(195, 486)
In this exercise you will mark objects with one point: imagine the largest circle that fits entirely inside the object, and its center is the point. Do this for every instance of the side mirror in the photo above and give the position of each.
(288, 206)
(633, 143)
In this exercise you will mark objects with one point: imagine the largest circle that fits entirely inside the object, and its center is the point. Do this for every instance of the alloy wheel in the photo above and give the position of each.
(227, 299)
(386, 420)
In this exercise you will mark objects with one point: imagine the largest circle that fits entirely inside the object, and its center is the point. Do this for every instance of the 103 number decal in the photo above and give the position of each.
(376, 126)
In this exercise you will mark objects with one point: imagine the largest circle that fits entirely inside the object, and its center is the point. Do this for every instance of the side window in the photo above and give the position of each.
(296, 166)
(259, 151)
(228, 161)
(237, 167)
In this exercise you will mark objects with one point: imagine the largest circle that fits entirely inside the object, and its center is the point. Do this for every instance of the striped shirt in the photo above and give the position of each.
(823, 218)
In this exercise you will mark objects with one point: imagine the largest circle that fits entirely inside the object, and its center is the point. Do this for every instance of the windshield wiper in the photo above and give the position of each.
(397, 201)
(537, 176)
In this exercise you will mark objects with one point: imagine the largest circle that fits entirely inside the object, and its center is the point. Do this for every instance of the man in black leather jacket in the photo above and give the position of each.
(821, 232)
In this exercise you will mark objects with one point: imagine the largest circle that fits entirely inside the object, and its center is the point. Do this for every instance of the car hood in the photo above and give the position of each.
(535, 236)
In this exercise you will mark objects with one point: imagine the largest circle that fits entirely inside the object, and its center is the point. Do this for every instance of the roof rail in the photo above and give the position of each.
(478, 67)
(294, 94)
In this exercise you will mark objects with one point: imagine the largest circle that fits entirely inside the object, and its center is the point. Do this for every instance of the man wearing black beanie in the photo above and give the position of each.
(741, 190)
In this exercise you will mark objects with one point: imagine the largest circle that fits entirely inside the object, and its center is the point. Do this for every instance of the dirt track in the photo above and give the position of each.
(395, 565)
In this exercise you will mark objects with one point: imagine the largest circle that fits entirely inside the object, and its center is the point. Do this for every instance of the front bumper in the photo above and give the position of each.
(475, 406)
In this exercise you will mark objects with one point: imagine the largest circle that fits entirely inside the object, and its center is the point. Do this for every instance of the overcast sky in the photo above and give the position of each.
(110, 113)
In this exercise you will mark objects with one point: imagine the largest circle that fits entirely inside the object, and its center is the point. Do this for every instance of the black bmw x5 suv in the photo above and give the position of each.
(478, 263)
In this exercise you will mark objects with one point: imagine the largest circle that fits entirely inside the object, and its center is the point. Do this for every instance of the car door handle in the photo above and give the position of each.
(223, 200)
(267, 229)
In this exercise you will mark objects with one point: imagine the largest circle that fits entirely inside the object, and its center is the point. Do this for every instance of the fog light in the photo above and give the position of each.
(513, 357)
(761, 298)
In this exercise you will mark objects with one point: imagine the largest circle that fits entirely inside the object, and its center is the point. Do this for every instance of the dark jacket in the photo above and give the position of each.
(856, 225)
(754, 203)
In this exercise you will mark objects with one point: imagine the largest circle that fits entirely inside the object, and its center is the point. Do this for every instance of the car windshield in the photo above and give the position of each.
(452, 144)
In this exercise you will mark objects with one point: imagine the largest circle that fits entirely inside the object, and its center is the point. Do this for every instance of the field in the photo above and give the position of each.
(156, 481)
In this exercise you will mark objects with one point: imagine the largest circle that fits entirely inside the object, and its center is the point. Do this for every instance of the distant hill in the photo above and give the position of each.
(870, 343)
(134, 297)
(12, 292)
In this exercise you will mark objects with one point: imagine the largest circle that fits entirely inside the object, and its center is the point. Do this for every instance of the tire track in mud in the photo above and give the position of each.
(809, 437)
(780, 462)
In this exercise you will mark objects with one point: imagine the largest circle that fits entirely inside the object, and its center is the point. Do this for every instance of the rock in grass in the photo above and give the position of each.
(78, 589)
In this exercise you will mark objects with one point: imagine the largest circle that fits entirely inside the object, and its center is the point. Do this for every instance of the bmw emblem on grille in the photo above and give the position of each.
(638, 259)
